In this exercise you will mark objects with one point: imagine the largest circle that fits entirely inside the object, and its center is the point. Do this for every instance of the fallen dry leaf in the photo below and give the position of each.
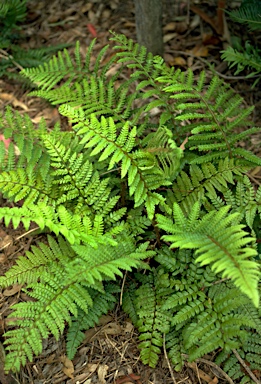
(105, 319)
(199, 51)
(201, 373)
(89, 334)
(182, 146)
(6, 141)
(112, 329)
(3, 258)
(129, 327)
(180, 61)
(169, 36)
(68, 367)
(131, 378)
(13, 100)
(5, 241)
(92, 30)
(102, 372)
(12, 291)
(169, 27)
(92, 367)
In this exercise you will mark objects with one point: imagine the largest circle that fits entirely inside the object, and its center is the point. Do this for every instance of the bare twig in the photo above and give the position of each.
(212, 364)
(6, 55)
(122, 287)
(253, 377)
(167, 359)
(19, 237)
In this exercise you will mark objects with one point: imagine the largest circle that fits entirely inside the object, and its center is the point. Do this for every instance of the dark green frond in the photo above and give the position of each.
(248, 13)
(102, 303)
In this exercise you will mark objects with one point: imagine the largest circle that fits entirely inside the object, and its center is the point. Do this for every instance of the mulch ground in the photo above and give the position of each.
(193, 38)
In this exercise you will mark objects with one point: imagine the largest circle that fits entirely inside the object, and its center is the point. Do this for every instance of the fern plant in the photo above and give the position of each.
(124, 186)
(249, 56)
(12, 14)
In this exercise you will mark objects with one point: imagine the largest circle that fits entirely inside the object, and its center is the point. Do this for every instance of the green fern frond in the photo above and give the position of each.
(250, 352)
(219, 240)
(204, 182)
(22, 184)
(135, 56)
(213, 136)
(129, 302)
(28, 268)
(153, 320)
(62, 289)
(161, 143)
(49, 74)
(98, 186)
(175, 349)
(102, 303)
(74, 228)
(40, 318)
(11, 13)
(140, 166)
(250, 58)
(248, 13)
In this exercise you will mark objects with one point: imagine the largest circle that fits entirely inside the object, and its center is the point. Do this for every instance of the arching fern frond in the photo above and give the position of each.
(50, 74)
(74, 228)
(37, 261)
(213, 114)
(66, 283)
(219, 240)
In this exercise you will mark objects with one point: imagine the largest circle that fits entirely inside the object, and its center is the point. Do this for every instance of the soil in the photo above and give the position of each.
(193, 39)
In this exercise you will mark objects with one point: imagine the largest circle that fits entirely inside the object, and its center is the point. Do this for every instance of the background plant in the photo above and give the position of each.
(122, 187)
(248, 56)
(12, 57)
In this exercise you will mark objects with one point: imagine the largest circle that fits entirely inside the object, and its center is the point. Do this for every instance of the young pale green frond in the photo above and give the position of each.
(61, 67)
(74, 228)
(37, 261)
(21, 184)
